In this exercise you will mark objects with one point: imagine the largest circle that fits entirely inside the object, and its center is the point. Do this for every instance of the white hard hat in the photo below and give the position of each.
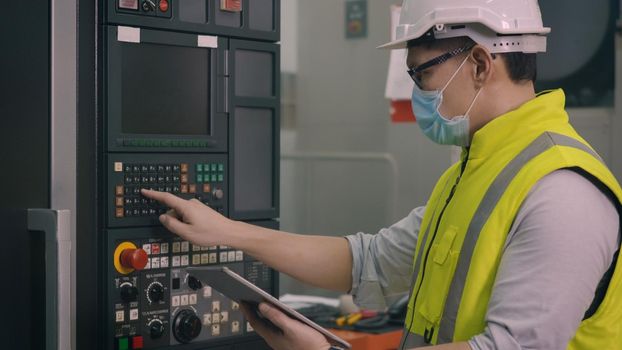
(499, 25)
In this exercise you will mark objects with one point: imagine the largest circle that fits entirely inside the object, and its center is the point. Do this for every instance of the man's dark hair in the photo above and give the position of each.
(521, 66)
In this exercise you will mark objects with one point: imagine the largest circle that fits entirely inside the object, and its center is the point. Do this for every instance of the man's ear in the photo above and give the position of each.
(484, 65)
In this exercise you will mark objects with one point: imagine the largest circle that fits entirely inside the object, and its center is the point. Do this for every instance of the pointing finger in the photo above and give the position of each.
(165, 198)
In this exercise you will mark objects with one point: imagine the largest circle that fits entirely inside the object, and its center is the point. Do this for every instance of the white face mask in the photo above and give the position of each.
(434, 125)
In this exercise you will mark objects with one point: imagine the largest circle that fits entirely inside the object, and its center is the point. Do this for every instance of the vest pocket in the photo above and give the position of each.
(438, 275)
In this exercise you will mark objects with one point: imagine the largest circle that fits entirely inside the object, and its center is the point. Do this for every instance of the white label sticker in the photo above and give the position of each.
(118, 167)
(128, 34)
(207, 41)
(128, 4)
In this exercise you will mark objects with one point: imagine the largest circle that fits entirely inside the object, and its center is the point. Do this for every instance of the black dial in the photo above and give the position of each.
(155, 292)
(129, 293)
(156, 329)
(194, 283)
(187, 326)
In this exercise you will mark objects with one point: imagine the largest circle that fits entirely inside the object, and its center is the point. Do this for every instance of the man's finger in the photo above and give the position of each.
(259, 325)
(275, 316)
(173, 224)
(168, 199)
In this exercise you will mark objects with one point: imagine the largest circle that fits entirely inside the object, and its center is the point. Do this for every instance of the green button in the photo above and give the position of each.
(175, 143)
(165, 143)
(141, 143)
(134, 143)
(199, 168)
(124, 344)
(220, 177)
(148, 143)
(221, 167)
(214, 178)
(205, 167)
(214, 167)
(196, 144)
(203, 143)
(199, 178)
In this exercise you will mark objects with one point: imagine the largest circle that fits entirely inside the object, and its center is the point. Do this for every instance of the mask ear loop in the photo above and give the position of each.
(454, 75)
(466, 114)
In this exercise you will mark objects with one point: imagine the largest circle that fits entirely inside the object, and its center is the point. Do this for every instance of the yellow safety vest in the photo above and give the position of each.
(471, 211)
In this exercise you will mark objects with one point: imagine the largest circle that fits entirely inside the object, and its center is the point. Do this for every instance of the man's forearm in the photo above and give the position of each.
(321, 261)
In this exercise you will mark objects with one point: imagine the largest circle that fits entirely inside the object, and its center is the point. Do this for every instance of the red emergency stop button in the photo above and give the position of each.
(134, 259)
(137, 342)
(163, 5)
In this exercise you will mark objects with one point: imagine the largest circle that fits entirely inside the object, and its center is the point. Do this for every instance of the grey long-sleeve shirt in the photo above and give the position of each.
(560, 245)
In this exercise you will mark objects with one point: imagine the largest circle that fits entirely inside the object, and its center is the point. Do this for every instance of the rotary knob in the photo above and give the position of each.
(218, 193)
(194, 283)
(129, 293)
(156, 329)
(155, 292)
(187, 326)
(149, 6)
(134, 258)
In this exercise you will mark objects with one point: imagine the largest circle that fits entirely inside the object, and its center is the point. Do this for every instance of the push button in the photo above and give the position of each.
(123, 344)
(137, 342)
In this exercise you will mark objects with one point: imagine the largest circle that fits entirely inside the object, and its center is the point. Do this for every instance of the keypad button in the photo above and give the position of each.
(184, 178)
(176, 168)
(137, 179)
(184, 167)
(119, 190)
(184, 188)
(129, 179)
(161, 188)
(207, 188)
(160, 179)
(176, 189)
(168, 168)
(214, 167)
(199, 178)
(136, 168)
(144, 179)
(221, 167)
(153, 179)
(144, 168)
(221, 178)
(127, 168)
(118, 201)
(168, 189)
(153, 168)
(199, 168)
(192, 188)
(119, 212)
(168, 178)
(176, 178)
(128, 212)
(160, 168)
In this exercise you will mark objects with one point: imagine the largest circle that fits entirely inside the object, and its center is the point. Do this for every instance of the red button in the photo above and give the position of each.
(137, 342)
(134, 259)
(163, 5)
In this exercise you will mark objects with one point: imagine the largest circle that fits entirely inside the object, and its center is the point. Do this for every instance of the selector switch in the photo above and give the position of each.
(129, 293)
(156, 329)
(218, 193)
(148, 6)
(194, 283)
(155, 292)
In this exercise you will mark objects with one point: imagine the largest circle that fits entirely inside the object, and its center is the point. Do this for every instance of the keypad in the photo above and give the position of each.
(182, 179)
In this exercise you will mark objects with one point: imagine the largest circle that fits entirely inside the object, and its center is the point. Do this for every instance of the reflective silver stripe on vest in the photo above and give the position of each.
(411, 340)
(488, 203)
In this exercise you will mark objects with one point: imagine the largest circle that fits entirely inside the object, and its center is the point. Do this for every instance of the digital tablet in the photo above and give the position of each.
(239, 289)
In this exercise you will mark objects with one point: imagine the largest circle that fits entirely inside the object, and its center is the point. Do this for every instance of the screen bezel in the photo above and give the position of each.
(215, 141)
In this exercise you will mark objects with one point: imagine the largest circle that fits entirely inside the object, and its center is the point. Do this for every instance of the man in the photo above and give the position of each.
(516, 247)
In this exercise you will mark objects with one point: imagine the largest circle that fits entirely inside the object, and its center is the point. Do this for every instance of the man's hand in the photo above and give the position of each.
(290, 334)
(192, 220)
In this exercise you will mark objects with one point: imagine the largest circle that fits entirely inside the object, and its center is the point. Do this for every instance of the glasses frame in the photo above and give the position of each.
(414, 72)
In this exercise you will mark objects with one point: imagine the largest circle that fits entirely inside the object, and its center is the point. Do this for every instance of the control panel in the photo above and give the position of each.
(156, 8)
(154, 303)
(204, 177)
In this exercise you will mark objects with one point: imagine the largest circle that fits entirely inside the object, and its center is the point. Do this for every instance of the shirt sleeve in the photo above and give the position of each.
(382, 262)
(560, 245)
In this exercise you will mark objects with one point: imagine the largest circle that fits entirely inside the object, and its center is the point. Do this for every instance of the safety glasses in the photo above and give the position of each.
(415, 72)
